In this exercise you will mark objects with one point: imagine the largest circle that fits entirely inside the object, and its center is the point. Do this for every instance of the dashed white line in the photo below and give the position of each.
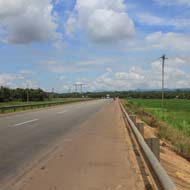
(64, 111)
(26, 122)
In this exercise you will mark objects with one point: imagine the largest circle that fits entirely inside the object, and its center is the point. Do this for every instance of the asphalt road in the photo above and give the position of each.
(25, 135)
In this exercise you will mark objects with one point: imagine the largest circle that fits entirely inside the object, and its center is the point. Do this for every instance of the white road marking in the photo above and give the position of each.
(25, 122)
(64, 111)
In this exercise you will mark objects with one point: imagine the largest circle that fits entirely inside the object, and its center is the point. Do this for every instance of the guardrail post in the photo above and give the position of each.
(154, 144)
(140, 127)
(133, 118)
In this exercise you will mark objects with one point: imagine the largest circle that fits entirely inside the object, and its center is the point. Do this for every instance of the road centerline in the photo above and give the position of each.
(26, 122)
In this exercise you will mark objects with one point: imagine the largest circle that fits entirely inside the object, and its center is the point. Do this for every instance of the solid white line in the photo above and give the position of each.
(25, 122)
(64, 111)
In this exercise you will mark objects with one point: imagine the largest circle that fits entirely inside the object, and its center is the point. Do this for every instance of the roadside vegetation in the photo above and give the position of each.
(8, 107)
(19, 95)
(172, 122)
(19, 99)
(15, 103)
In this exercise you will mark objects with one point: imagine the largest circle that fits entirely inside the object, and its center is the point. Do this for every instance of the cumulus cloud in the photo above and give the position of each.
(170, 41)
(19, 79)
(102, 20)
(27, 21)
(140, 78)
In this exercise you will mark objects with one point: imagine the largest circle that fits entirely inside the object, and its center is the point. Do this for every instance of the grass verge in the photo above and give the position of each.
(179, 140)
(37, 105)
(14, 103)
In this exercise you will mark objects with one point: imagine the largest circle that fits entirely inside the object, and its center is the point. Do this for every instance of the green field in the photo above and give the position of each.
(176, 113)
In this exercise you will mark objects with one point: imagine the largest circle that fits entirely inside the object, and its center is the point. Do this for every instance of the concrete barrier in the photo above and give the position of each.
(140, 127)
(154, 144)
(133, 118)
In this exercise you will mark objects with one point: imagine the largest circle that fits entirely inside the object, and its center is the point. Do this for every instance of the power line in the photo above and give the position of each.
(81, 88)
(52, 93)
(78, 87)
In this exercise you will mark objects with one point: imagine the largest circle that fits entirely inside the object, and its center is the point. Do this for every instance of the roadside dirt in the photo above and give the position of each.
(176, 166)
(98, 156)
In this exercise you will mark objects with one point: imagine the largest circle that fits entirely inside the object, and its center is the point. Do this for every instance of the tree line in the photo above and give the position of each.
(181, 94)
(20, 94)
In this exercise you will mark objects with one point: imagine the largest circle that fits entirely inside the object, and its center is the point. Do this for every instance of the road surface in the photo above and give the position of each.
(92, 142)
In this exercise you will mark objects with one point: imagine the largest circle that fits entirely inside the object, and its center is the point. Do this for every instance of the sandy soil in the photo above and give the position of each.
(98, 156)
(177, 167)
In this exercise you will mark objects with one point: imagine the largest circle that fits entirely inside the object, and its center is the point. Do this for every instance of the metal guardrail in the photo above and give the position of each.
(160, 172)
(3, 109)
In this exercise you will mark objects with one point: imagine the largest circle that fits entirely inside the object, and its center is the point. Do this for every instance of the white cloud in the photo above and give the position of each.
(136, 77)
(70, 25)
(7, 79)
(29, 84)
(153, 20)
(81, 66)
(171, 41)
(19, 79)
(116, 5)
(107, 26)
(26, 72)
(102, 20)
(27, 21)
(173, 2)
(150, 19)
(139, 78)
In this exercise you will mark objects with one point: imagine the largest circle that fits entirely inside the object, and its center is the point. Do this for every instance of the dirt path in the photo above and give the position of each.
(96, 157)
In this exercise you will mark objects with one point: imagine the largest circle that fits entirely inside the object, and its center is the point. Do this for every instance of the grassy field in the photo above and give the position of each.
(176, 113)
(173, 122)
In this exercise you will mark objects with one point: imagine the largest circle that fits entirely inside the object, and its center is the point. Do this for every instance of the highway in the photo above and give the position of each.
(24, 136)
(76, 146)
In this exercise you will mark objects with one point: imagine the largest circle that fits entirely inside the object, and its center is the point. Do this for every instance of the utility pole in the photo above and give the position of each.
(163, 65)
(81, 85)
(76, 86)
(27, 94)
(69, 90)
(52, 93)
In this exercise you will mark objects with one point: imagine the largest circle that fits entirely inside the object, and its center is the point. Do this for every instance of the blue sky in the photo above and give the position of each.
(104, 44)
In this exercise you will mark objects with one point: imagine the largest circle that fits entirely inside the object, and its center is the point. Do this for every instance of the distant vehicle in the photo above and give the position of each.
(107, 96)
